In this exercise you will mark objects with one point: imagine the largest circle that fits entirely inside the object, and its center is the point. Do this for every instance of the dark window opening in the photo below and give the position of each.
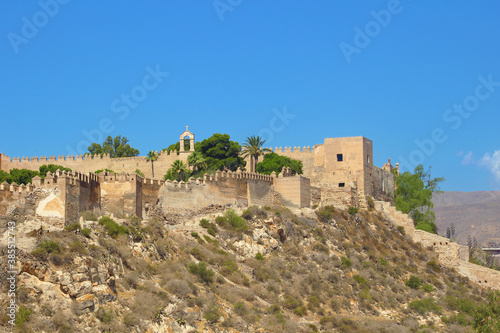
(340, 157)
(341, 184)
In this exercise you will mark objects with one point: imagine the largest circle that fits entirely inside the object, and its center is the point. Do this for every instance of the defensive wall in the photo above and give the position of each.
(88, 163)
(344, 167)
(340, 172)
(61, 197)
(450, 254)
(236, 188)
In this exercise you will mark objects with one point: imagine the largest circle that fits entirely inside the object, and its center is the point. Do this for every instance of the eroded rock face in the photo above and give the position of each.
(48, 294)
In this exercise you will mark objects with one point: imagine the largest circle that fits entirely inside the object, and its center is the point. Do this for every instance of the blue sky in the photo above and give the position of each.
(419, 78)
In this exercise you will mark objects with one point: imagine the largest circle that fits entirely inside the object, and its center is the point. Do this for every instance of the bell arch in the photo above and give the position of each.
(186, 134)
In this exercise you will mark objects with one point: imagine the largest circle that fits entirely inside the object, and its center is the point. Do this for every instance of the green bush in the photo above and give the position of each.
(325, 214)
(413, 282)
(212, 230)
(300, 311)
(211, 227)
(41, 254)
(73, 227)
(210, 240)
(346, 262)
(425, 305)
(231, 220)
(428, 287)
(50, 246)
(383, 262)
(204, 223)
(212, 315)
(113, 228)
(360, 280)
(291, 302)
(259, 256)
(140, 173)
(240, 309)
(352, 210)
(228, 267)
(200, 269)
(106, 316)
(23, 315)
(433, 265)
(78, 247)
(86, 232)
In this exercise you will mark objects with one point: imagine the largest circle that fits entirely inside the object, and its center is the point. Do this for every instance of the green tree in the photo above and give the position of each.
(178, 171)
(253, 148)
(197, 162)
(5, 177)
(177, 146)
(152, 156)
(274, 162)
(22, 176)
(221, 153)
(117, 147)
(487, 316)
(50, 168)
(413, 196)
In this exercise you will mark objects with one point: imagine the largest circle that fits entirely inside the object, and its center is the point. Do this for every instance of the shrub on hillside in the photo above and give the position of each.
(325, 214)
(231, 220)
(413, 282)
(352, 210)
(201, 270)
(425, 305)
(113, 228)
(73, 227)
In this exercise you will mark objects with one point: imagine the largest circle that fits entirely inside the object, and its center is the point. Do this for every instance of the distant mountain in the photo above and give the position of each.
(473, 213)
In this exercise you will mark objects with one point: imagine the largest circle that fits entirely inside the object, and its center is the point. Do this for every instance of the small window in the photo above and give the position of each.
(368, 159)
(340, 157)
(341, 184)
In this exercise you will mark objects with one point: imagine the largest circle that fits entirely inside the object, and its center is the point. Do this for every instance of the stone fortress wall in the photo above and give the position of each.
(450, 254)
(343, 169)
(87, 163)
(63, 196)
(338, 172)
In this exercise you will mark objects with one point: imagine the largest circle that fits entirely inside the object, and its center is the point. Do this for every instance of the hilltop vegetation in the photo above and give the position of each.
(267, 268)
(413, 196)
(24, 176)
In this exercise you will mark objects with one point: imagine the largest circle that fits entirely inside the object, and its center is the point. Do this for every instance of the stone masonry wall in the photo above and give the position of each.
(86, 164)
(450, 254)
(293, 191)
(121, 194)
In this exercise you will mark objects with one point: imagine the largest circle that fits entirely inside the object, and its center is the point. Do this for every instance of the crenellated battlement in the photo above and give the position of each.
(17, 189)
(294, 150)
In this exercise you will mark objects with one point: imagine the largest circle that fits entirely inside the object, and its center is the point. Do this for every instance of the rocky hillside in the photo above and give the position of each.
(246, 270)
(475, 214)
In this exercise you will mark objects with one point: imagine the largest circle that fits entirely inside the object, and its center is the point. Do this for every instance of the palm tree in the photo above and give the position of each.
(197, 161)
(178, 168)
(152, 156)
(253, 148)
